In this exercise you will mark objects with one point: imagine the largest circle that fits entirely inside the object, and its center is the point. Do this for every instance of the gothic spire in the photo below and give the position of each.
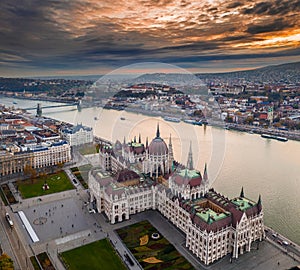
(190, 163)
(134, 139)
(157, 131)
(124, 141)
(171, 155)
(147, 142)
(170, 140)
(205, 175)
(186, 173)
(140, 138)
(259, 206)
(242, 193)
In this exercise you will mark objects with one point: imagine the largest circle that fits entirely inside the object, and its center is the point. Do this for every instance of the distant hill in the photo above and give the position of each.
(288, 73)
(39, 85)
(284, 73)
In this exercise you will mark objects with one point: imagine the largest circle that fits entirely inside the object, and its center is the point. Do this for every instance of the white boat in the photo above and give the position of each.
(189, 121)
(172, 119)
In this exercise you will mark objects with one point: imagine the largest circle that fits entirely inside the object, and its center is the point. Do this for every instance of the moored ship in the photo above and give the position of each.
(270, 136)
(172, 119)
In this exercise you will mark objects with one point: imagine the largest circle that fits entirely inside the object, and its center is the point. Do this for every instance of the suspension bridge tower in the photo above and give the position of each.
(39, 110)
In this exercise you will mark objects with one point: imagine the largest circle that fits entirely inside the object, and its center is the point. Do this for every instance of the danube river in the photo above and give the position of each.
(235, 159)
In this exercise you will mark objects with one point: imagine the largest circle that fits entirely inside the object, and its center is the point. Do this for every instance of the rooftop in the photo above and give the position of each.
(208, 215)
(243, 203)
(134, 144)
(189, 173)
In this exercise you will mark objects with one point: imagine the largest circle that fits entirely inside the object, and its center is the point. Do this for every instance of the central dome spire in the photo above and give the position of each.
(157, 131)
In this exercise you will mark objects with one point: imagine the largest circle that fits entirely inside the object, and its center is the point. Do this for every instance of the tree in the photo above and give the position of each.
(6, 263)
(31, 172)
(249, 120)
(198, 113)
(60, 164)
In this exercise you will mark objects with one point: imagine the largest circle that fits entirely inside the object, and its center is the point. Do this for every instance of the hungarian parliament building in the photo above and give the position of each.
(136, 177)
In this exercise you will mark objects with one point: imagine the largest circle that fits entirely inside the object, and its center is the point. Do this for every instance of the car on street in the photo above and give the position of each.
(75, 181)
(92, 211)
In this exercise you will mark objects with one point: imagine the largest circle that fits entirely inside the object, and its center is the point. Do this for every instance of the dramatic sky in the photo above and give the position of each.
(61, 37)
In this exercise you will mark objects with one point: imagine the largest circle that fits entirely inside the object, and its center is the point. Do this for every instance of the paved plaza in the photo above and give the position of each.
(57, 219)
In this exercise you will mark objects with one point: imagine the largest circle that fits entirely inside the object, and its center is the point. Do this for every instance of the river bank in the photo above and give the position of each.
(291, 135)
(235, 159)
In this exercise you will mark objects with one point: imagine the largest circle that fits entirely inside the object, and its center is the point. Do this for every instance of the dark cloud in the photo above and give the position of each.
(64, 35)
(277, 25)
(235, 5)
(277, 7)
(259, 8)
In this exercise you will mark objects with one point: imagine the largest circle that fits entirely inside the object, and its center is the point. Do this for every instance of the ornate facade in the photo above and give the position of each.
(78, 135)
(213, 224)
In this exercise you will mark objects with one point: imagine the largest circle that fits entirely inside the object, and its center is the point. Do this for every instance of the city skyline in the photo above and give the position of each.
(92, 37)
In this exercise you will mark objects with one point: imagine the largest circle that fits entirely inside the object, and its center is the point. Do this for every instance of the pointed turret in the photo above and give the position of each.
(134, 139)
(208, 219)
(205, 175)
(124, 141)
(171, 155)
(242, 193)
(190, 163)
(147, 142)
(186, 173)
(140, 138)
(259, 206)
(157, 131)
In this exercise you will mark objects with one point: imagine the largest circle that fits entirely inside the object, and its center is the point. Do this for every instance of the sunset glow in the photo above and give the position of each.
(67, 36)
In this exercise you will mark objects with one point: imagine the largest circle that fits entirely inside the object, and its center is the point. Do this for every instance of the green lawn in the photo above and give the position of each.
(166, 255)
(3, 197)
(88, 149)
(34, 263)
(98, 255)
(34, 187)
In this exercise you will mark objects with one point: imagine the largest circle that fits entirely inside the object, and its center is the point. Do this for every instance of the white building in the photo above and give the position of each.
(78, 135)
(50, 154)
(34, 155)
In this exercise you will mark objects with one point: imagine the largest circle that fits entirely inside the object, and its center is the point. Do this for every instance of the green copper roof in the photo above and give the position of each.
(243, 203)
(133, 144)
(189, 173)
(204, 214)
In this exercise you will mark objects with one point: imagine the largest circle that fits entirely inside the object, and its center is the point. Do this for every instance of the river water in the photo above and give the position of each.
(235, 159)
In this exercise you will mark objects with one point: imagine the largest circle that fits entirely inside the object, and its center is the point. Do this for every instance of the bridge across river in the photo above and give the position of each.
(53, 106)
(39, 107)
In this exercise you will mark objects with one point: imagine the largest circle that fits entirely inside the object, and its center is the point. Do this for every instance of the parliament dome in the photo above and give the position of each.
(158, 145)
